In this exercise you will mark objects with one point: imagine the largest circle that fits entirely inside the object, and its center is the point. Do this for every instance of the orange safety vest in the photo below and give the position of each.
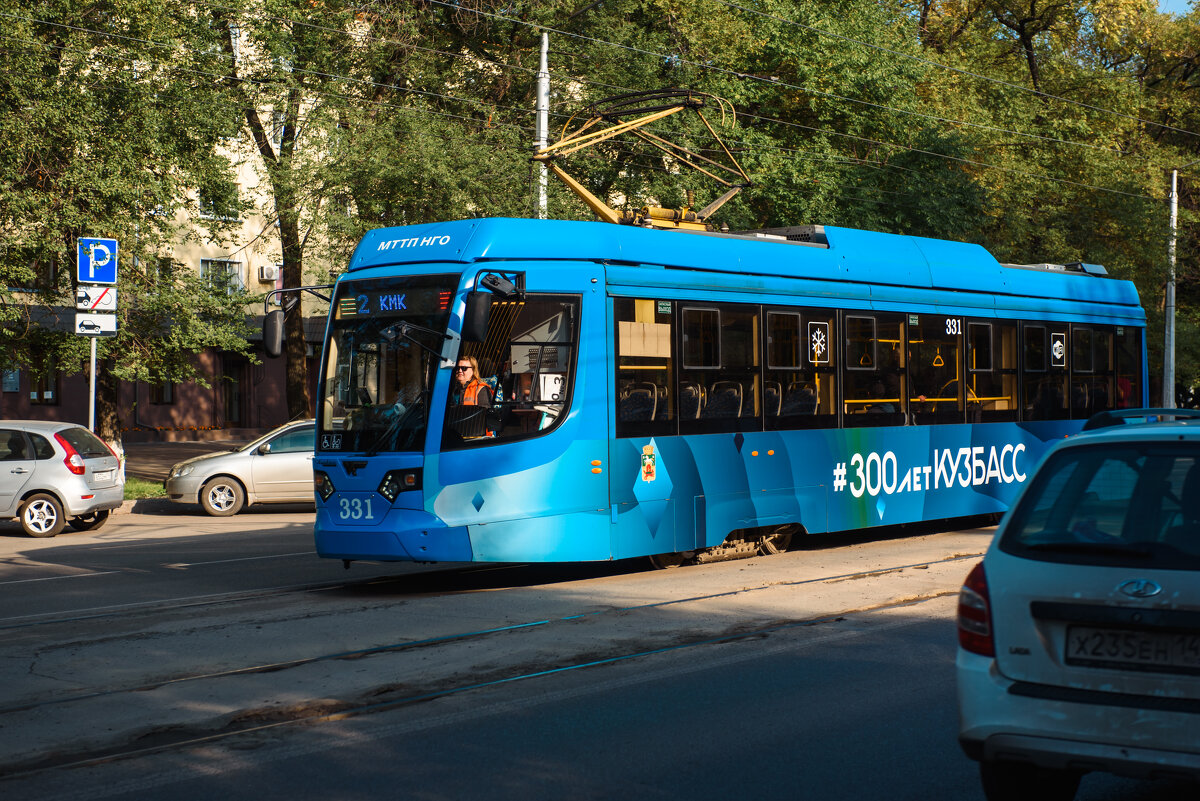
(470, 396)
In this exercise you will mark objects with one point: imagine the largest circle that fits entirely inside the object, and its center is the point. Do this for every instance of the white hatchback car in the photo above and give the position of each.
(274, 468)
(1079, 632)
(52, 474)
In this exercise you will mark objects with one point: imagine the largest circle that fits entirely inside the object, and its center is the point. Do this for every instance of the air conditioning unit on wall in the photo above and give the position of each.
(268, 272)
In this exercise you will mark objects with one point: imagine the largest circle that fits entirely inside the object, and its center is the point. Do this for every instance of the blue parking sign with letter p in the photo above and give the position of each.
(96, 261)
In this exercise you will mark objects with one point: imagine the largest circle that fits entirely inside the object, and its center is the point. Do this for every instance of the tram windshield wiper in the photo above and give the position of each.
(404, 330)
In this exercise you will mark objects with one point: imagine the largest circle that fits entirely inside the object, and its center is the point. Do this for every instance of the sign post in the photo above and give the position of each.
(95, 300)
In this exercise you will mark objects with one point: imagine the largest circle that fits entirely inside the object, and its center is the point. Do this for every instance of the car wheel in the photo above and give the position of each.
(1017, 781)
(42, 515)
(222, 496)
(89, 522)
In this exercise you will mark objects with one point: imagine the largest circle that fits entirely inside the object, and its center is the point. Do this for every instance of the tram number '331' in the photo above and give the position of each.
(355, 509)
(953, 325)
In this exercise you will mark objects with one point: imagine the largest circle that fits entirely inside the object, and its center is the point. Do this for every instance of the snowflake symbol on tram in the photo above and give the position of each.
(818, 345)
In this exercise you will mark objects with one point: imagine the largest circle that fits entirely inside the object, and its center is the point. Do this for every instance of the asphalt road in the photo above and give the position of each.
(173, 657)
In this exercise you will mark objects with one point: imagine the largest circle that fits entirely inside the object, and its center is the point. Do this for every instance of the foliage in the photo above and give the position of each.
(90, 112)
(1045, 131)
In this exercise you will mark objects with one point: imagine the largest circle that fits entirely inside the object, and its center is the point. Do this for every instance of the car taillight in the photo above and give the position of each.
(74, 461)
(975, 614)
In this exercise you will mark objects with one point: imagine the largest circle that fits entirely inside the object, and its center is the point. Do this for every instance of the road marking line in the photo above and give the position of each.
(179, 565)
(56, 578)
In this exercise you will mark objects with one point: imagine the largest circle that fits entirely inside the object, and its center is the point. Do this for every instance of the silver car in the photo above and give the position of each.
(275, 468)
(1079, 632)
(52, 474)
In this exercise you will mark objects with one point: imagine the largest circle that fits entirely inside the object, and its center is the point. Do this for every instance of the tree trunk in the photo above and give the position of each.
(1031, 60)
(108, 408)
(299, 400)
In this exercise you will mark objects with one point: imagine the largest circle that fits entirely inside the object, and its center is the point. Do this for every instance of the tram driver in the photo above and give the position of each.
(470, 401)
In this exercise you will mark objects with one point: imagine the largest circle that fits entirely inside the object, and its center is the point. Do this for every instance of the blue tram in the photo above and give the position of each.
(693, 395)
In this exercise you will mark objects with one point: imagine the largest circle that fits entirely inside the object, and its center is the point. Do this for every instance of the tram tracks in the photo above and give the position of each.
(140, 609)
(416, 669)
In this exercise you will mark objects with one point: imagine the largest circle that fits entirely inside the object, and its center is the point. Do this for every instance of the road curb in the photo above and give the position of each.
(145, 506)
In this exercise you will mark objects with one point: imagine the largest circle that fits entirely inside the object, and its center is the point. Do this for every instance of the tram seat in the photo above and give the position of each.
(800, 399)
(691, 400)
(639, 403)
(772, 398)
(724, 400)
(1079, 400)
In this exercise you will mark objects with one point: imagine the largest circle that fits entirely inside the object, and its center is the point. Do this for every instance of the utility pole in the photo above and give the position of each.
(1168, 394)
(543, 121)
(1168, 401)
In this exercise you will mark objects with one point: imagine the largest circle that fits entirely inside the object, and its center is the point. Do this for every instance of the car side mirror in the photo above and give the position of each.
(273, 333)
(476, 316)
(264, 449)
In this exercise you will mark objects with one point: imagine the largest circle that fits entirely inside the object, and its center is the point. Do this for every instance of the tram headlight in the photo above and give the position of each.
(398, 481)
(322, 484)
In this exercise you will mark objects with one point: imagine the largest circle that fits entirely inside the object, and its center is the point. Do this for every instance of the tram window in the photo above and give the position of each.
(702, 339)
(785, 347)
(991, 372)
(1091, 371)
(873, 379)
(935, 391)
(1128, 368)
(726, 396)
(1046, 391)
(799, 381)
(1081, 350)
(860, 343)
(645, 369)
(1035, 349)
(527, 363)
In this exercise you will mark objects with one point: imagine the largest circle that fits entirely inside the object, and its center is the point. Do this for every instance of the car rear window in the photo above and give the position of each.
(42, 449)
(85, 442)
(1132, 504)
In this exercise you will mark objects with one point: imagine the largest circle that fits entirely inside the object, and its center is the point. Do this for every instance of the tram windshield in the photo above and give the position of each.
(381, 360)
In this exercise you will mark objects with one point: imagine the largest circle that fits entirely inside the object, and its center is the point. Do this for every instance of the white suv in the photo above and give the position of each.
(1079, 632)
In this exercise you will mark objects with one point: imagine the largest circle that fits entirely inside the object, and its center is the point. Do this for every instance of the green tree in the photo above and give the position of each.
(106, 112)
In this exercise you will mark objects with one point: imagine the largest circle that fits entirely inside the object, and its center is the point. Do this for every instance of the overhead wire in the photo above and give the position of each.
(484, 106)
(774, 82)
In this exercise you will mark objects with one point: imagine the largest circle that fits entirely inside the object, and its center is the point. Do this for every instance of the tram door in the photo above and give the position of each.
(645, 484)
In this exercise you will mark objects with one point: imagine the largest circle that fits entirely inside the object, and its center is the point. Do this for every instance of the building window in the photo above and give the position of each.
(162, 394)
(223, 275)
(43, 390)
(219, 208)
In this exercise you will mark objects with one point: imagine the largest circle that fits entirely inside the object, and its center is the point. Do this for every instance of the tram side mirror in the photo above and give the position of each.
(273, 333)
(475, 318)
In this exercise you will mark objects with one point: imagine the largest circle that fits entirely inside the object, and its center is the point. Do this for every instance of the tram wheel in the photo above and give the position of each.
(666, 561)
(777, 541)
